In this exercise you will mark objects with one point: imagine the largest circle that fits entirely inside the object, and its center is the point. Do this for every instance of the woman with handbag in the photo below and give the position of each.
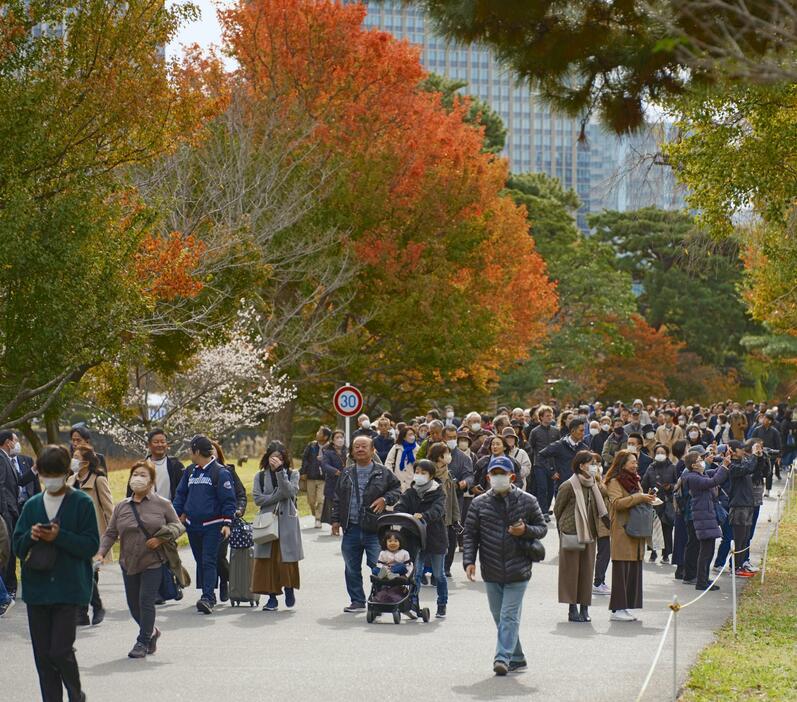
(277, 556)
(579, 508)
(662, 477)
(89, 476)
(703, 489)
(625, 492)
(333, 463)
(56, 572)
(134, 523)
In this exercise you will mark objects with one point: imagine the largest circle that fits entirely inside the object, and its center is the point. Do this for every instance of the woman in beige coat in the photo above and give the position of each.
(624, 490)
(87, 475)
(579, 510)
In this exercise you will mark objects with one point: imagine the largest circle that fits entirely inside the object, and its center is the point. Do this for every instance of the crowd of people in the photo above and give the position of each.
(623, 483)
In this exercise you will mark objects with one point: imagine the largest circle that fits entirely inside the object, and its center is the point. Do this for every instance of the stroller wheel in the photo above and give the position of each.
(396, 617)
(370, 615)
(425, 615)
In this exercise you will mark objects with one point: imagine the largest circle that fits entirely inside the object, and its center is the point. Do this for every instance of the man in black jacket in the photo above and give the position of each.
(770, 437)
(562, 452)
(498, 523)
(10, 505)
(741, 505)
(363, 490)
(542, 436)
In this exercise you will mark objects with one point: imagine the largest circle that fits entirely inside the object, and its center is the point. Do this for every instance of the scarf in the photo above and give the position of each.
(582, 525)
(629, 481)
(423, 489)
(407, 455)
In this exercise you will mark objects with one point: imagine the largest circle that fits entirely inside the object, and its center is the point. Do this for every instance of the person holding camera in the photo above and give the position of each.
(56, 538)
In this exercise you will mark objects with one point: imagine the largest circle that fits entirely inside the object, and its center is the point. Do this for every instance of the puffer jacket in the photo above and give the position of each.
(486, 531)
(432, 505)
(701, 489)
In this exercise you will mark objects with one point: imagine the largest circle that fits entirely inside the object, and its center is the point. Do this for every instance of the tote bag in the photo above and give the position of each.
(265, 528)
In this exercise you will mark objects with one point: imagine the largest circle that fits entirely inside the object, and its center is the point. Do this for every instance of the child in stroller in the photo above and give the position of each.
(394, 563)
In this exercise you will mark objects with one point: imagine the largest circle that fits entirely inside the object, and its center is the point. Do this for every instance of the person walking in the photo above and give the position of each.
(402, 456)
(578, 509)
(205, 503)
(363, 491)
(427, 499)
(313, 473)
(142, 523)
(91, 478)
(9, 504)
(276, 566)
(56, 537)
(501, 523)
(333, 463)
(169, 469)
(624, 491)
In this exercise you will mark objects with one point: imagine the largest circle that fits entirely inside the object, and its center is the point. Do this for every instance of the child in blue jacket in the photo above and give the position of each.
(205, 502)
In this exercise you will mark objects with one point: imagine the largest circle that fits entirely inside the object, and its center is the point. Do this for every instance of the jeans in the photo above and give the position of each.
(725, 545)
(52, 634)
(543, 488)
(705, 554)
(602, 560)
(205, 547)
(141, 590)
(506, 605)
(355, 542)
(4, 596)
(437, 562)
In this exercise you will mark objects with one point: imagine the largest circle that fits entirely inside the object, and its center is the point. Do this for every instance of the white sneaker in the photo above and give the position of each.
(622, 615)
(317, 523)
(749, 566)
(716, 570)
(766, 494)
(602, 589)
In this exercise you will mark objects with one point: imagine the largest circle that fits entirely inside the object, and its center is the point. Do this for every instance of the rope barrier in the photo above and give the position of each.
(656, 657)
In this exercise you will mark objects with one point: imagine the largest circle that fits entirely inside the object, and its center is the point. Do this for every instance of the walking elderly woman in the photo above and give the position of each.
(277, 562)
(624, 490)
(579, 508)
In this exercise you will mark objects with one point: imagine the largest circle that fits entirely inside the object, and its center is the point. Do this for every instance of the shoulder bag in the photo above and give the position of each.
(640, 522)
(570, 542)
(43, 554)
(169, 588)
(265, 526)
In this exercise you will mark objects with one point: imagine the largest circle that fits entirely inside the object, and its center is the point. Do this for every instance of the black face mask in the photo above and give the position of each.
(618, 431)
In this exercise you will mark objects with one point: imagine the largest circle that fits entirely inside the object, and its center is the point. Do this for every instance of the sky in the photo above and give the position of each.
(204, 32)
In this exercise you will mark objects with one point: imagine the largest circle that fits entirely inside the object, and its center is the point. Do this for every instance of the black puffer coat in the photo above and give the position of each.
(486, 531)
(432, 505)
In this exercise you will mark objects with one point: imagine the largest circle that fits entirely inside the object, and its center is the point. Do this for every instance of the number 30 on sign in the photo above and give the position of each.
(348, 401)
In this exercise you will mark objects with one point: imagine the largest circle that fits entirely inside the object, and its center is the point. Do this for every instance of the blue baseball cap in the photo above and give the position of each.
(500, 463)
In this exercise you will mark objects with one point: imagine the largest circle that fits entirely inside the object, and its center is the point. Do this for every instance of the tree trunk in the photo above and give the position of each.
(51, 425)
(32, 437)
(280, 425)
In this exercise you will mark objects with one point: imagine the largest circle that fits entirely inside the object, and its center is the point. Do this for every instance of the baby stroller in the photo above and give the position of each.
(413, 538)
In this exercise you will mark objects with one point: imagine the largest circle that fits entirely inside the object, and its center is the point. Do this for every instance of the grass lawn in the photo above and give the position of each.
(760, 663)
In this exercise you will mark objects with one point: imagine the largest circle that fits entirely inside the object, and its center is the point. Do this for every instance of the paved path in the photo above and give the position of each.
(317, 652)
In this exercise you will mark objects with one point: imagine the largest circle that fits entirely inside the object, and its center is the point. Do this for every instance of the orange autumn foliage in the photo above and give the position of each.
(166, 265)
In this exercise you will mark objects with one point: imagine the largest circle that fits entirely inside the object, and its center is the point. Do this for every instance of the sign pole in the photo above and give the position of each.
(348, 428)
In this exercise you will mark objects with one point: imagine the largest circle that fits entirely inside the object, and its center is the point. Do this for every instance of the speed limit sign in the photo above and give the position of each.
(348, 401)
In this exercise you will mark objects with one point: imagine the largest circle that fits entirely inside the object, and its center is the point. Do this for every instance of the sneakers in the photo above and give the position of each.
(138, 651)
(766, 494)
(750, 567)
(6, 606)
(500, 668)
(355, 607)
(432, 581)
(653, 556)
(317, 523)
(424, 579)
(224, 591)
(546, 518)
(290, 597)
(602, 589)
(517, 665)
(153, 641)
(272, 605)
(744, 573)
(97, 616)
(622, 615)
(441, 612)
(665, 560)
(204, 605)
(716, 570)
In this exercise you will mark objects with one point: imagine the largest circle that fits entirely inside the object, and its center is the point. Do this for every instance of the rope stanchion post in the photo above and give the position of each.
(675, 607)
(777, 519)
(766, 551)
(733, 582)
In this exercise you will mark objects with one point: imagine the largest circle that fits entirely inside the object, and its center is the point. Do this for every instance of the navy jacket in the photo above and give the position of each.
(701, 489)
(561, 453)
(382, 446)
(205, 496)
(311, 462)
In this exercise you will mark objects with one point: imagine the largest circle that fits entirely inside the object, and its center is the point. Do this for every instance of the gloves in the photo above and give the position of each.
(399, 569)
(375, 570)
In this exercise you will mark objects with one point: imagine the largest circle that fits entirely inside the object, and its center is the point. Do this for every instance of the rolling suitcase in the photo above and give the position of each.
(241, 563)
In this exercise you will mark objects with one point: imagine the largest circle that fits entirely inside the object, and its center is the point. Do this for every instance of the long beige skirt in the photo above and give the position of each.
(576, 570)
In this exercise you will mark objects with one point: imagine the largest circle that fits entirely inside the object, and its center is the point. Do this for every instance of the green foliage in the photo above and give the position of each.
(479, 111)
(690, 284)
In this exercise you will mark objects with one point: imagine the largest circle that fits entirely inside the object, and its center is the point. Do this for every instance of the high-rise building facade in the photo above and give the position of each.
(537, 138)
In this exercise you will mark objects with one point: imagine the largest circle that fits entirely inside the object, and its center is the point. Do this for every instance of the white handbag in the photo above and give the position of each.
(265, 528)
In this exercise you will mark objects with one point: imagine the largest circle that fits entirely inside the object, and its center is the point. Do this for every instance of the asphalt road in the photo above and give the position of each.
(316, 652)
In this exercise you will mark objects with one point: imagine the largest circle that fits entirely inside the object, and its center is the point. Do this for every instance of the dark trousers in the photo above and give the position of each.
(141, 591)
(741, 543)
(543, 488)
(205, 547)
(96, 600)
(705, 554)
(52, 634)
(222, 564)
(666, 532)
(9, 573)
(452, 547)
(691, 553)
(679, 545)
(756, 512)
(464, 506)
(602, 560)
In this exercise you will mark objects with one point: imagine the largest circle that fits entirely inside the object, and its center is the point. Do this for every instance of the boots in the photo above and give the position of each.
(572, 614)
(585, 614)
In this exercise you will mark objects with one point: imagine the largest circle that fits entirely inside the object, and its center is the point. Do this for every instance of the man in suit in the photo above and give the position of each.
(18, 483)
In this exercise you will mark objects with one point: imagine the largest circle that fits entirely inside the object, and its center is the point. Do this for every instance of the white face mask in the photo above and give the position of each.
(682, 421)
(138, 483)
(53, 485)
(74, 464)
(693, 435)
(649, 435)
(421, 479)
(606, 427)
(702, 465)
(475, 426)
(593, 470)
(366, 424)
(463, 445)
(594, 431)
(702, 425)
(450, 414)
(16, 449)
(660, 457)
(632, 449)
(500, 482)
(451, 443)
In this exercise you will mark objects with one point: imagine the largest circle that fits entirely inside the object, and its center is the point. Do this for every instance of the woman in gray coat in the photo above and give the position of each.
(277, 562)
